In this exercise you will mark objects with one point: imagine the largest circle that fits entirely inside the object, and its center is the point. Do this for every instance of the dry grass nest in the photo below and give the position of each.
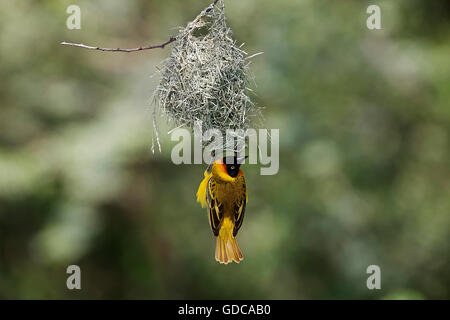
(205, 80)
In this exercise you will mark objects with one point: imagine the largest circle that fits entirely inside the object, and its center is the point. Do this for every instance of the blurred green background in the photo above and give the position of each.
(364, 118)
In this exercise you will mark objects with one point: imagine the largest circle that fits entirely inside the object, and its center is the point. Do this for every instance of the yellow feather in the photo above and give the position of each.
(227, 249)
(201, 193)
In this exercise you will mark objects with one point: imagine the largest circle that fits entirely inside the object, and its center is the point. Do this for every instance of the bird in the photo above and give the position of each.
(224, 193)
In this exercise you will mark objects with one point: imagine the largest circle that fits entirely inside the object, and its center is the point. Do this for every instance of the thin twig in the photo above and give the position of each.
(212, 6)
(80, 45)
(162, 45)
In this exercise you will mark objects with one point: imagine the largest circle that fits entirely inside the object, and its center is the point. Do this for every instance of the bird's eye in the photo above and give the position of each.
(232, 167)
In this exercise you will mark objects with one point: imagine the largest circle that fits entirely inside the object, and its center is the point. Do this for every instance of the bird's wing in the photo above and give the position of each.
(239, 209)
(215, 207)
(201, 193)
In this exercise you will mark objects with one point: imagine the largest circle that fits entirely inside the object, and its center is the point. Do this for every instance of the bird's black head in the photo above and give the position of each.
(233, 164)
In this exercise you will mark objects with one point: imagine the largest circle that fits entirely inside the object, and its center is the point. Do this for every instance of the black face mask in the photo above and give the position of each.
(233, 164)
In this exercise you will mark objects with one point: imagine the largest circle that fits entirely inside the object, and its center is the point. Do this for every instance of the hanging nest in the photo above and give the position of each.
(205, 79)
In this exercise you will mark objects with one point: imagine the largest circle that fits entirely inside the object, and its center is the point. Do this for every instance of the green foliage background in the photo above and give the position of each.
(364, 120)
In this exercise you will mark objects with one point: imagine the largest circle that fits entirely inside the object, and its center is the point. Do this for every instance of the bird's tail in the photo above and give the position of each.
(227, 249)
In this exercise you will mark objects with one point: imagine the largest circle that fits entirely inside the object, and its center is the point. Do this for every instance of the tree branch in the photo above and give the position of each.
(80, 45)
(162, 45)
(212, 6)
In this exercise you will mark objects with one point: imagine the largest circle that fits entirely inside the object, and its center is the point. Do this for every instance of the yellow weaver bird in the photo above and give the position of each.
(224, 193)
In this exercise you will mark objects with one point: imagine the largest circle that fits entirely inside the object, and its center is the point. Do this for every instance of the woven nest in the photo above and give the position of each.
(205, 79)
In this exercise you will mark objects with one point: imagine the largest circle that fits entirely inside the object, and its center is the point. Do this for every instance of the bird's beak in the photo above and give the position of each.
(240, 160)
